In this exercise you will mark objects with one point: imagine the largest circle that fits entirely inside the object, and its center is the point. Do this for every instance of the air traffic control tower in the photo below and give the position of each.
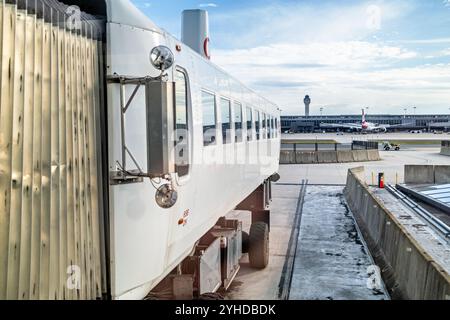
(307, 102)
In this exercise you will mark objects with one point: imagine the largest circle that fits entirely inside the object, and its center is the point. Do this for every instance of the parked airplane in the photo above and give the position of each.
(364, 126)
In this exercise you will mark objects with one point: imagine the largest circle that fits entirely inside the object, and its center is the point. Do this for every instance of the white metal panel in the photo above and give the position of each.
(124, 12)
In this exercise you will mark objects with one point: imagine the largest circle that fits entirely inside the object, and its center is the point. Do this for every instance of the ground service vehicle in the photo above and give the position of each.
(387, 146)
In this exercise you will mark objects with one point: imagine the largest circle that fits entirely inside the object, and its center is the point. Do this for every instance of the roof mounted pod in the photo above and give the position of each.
(195, 31)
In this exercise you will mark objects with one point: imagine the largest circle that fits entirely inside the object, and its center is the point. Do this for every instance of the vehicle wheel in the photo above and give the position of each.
(397, 149)
(258, 252)
(245, 242)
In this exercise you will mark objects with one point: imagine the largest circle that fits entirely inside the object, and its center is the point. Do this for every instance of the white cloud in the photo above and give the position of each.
(425, 41)
(340, 75)
(333, 52)
(445, 52)
(208, 5)
(351, 54)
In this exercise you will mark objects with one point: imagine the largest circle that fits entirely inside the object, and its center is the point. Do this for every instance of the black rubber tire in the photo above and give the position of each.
(258, 252)
(245, 242)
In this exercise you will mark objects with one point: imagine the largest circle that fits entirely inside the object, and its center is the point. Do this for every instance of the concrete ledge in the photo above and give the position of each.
(408, 271)
(343, 156)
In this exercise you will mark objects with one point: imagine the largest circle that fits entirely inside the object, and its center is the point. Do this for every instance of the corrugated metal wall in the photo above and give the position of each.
(49, 203)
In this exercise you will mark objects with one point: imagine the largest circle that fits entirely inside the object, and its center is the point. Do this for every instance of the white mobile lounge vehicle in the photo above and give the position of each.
(121, 151)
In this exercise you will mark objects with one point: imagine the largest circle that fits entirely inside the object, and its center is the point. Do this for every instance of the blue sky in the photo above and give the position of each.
(348, 54)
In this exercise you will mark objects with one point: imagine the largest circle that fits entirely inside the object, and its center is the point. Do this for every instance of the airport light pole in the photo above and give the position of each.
(414, 110)
(321, 111)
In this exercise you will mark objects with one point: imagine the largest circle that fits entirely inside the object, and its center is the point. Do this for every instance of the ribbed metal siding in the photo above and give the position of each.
(49, 201)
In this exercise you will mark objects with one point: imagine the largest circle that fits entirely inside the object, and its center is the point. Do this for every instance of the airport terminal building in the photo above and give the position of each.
(300, 124)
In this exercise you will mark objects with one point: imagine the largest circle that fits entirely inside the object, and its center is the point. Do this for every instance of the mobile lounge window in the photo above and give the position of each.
(181, 124)
(274, 132)
(270, 125)
(249, 124)
(238, 121)
(264, 132)
(276, 128)
(258, 125)
(209, 118)
(225, 107)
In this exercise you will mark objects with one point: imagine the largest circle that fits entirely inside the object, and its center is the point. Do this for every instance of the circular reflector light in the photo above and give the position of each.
(161, 58)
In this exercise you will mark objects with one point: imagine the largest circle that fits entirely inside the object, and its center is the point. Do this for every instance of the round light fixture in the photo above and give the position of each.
(166, 196)
(161, 58)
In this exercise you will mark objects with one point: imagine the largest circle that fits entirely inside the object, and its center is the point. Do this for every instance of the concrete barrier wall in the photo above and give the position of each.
(427, 174)
(287, 157)
(308, 157)
(327, 157)
(360, 156)
(417, 174)
(344, 156)
(303, 157)
(373, 155)
(445, 151)
(441, 174)
(407, 270)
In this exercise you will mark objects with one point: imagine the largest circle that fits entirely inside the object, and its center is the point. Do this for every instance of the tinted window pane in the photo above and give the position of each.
(181, 119)
(264, 127)
(238, 121)
(209, 118)
(181, 125)
(225, 107)
(258, 125)
(273, 128)
(249, 124)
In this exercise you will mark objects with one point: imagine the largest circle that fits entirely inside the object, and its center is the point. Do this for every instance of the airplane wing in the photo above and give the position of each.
(388, 126)
(341, 125)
